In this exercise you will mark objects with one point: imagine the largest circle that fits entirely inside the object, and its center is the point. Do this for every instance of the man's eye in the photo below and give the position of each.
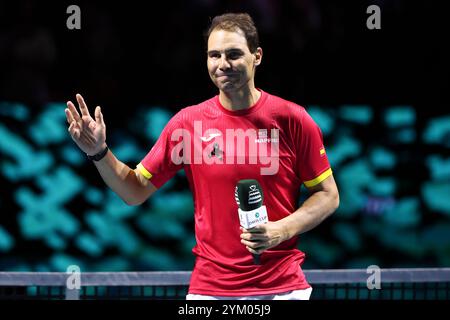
(234, 55)
(214, 55)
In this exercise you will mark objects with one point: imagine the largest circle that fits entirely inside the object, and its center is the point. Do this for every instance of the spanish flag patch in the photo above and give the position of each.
(322, 151)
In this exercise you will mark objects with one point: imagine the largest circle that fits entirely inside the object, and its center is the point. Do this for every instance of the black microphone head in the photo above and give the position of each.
(249, 195)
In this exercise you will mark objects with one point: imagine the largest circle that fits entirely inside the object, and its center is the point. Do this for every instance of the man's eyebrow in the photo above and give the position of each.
(226, 51)
(234, 50)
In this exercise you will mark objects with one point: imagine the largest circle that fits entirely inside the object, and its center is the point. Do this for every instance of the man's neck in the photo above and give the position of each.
(239, 100)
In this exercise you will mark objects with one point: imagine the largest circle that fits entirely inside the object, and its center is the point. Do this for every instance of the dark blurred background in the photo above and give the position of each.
(380, 97)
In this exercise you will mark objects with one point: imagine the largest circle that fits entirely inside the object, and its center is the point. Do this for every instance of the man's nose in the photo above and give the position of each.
(223, 63)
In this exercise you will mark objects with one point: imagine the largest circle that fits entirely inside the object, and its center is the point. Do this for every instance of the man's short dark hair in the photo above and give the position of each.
(234, 22)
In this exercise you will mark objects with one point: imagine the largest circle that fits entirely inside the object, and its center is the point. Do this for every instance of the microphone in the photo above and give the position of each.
(249, 197)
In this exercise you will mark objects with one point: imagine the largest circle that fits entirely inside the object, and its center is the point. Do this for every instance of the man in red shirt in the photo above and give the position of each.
(242, 133)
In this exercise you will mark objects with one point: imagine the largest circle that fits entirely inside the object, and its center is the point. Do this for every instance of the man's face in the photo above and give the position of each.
(231, 65)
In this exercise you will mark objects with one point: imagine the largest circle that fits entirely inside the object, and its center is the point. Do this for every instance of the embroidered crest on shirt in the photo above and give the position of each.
(263, 137)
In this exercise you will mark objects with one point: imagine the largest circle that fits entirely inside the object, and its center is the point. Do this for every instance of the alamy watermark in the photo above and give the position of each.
(374, 280)
(74, 20)
(73, 281)
(374, 20)
(234, 146)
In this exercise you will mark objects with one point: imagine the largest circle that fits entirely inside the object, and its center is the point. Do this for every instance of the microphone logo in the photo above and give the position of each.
(254, 196)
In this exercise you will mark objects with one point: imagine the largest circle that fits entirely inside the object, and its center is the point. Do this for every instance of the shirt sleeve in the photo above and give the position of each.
(158, 165)
(312, 161)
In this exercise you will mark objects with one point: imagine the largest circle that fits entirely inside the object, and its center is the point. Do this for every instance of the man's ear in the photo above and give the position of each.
(258, 56)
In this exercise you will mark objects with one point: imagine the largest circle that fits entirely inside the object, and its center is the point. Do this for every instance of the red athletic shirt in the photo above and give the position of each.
(275, 142)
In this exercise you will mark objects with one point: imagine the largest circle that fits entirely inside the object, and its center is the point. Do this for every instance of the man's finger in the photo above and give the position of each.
(257, 229)
(254, 236)
(82, 104)
(253, 244)
(99, 116)
(73, 126)
(73, 130)
(74, 111)
(69, 116)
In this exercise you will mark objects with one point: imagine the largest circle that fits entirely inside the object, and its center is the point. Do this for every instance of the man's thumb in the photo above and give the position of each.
(99, 116)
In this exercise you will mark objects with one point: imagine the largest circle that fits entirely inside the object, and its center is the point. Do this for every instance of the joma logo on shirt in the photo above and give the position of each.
(235, 146)
(210, 137)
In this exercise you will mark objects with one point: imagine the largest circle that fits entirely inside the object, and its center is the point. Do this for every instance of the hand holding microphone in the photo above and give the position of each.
(249, 197)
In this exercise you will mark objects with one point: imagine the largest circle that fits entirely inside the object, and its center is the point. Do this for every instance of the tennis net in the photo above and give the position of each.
(346, 284)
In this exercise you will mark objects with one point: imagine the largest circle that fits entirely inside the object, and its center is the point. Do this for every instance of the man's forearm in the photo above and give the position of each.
(314, 210)
(120, 178)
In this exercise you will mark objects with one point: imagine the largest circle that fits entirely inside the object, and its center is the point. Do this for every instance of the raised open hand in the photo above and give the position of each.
(88, 134)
